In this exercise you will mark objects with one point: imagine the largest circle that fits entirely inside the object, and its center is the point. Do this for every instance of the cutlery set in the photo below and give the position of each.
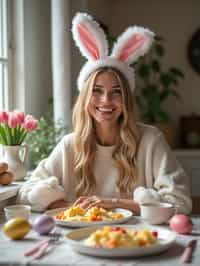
(44, 247)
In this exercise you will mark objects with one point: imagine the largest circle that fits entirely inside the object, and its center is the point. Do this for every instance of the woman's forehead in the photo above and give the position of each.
(105, 77)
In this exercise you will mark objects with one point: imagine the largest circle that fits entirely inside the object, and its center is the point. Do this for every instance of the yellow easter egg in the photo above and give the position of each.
(16, 228)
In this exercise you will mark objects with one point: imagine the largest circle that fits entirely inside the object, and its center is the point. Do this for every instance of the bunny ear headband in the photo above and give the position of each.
(92, 42)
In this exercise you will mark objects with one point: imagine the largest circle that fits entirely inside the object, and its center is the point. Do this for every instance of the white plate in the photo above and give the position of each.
(76, 240)
(77, 224)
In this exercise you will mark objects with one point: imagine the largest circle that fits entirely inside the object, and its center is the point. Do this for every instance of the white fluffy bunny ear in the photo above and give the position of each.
(89, 37)
(132, 44)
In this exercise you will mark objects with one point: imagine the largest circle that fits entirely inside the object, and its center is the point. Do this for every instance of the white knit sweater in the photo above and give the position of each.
(160, 176)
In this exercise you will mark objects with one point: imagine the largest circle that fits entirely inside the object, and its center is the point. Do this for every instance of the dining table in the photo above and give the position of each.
(12, 251)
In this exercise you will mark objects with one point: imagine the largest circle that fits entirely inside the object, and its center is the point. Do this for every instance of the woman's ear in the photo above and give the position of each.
(89, 37)
(132, 44)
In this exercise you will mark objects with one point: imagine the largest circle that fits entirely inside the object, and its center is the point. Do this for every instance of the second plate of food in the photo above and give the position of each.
(76, 217)
(121, 241)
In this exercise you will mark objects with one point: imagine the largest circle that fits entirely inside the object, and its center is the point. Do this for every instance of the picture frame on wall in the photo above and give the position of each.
(190, 131)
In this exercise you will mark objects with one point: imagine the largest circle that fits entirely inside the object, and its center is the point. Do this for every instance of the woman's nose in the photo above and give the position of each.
(106, 97)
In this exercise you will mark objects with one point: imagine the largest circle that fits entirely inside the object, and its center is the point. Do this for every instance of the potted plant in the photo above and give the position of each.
(154, 85)
(42, 142)
(15, 127)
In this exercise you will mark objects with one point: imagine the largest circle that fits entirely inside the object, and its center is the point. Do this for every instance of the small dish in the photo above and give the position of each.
(13, 211)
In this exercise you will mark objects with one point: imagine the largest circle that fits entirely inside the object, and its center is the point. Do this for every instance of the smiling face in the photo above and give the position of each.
(105, 104)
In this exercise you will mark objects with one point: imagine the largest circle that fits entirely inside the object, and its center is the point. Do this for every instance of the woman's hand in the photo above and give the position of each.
(108, 203)
(88, 202)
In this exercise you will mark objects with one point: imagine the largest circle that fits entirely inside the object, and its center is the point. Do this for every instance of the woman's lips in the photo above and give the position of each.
(105, 110)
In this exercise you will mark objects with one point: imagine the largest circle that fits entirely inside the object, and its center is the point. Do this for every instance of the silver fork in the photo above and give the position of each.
(44, 247)
(47, 247)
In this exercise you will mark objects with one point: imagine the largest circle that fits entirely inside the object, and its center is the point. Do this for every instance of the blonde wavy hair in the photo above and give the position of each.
(85, 140)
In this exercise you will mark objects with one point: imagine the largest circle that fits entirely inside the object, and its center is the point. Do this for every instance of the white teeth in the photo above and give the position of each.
(105, 109)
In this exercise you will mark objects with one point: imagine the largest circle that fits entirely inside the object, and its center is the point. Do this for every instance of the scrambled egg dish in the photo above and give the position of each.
(119, 237)
(76, 213)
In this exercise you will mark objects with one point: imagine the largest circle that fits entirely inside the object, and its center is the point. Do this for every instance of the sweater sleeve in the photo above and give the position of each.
(44, 185)
(170, 183)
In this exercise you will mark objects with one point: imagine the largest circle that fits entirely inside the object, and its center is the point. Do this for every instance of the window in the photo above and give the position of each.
(4, 54)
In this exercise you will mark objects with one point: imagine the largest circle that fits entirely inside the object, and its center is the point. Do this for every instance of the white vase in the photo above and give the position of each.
(15, 157)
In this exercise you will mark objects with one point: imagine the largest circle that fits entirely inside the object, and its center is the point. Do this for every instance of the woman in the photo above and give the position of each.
(110, 160)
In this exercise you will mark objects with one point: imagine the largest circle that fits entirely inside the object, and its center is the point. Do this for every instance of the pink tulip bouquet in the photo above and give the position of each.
(14, 127)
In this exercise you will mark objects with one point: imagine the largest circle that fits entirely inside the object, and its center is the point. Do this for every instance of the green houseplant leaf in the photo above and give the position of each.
(42, 142)
(155, 84)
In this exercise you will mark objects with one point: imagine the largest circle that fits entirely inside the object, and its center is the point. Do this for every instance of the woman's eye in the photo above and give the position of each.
(96, 91)
(117, 92)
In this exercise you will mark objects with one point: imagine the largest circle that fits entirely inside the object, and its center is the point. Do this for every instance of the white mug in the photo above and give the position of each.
(157, 213)
(13, 211)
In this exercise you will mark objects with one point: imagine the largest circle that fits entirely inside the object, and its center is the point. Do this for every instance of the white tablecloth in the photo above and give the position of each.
(12, 252)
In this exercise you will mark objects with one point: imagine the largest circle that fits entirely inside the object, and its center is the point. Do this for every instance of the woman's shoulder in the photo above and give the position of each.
(66, 144)
(151, 137)
(149, 131)
(68, 139)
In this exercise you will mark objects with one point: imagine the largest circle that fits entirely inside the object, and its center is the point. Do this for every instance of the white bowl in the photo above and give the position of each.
(13, 211)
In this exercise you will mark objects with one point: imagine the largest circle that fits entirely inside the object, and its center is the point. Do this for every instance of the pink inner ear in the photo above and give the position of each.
(131, 46)
(88, 41)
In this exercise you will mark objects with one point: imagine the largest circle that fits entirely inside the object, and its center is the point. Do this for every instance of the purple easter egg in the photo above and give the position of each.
(43, 224)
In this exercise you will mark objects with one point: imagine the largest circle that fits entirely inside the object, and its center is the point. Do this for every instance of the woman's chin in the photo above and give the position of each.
(105, 121)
